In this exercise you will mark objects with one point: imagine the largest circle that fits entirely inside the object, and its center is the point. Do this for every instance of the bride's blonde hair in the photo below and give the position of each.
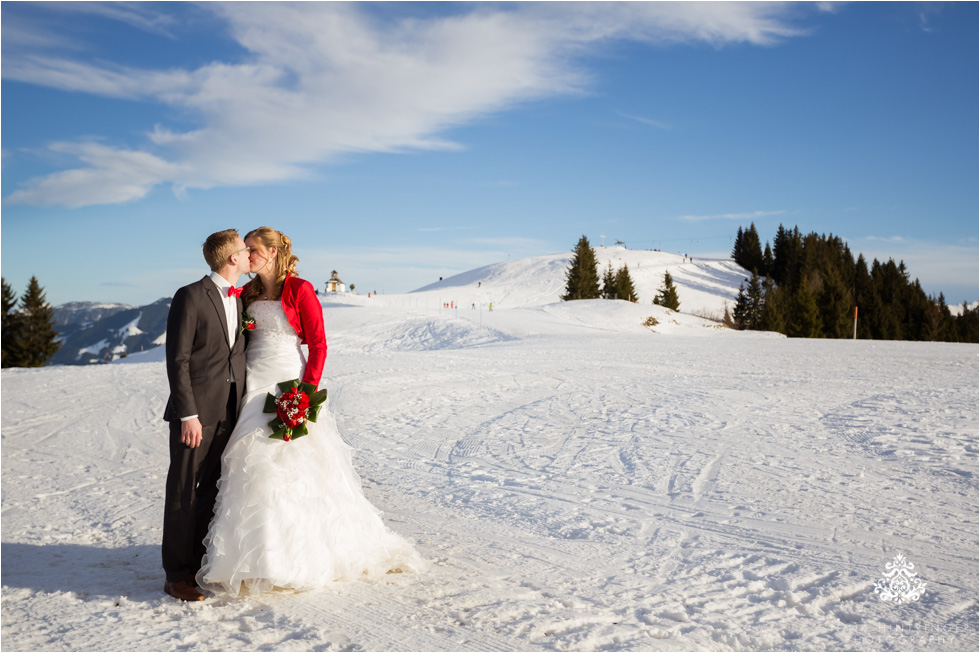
(285, 263)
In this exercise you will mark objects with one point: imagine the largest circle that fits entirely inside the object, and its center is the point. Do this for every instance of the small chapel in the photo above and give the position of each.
(335, 284)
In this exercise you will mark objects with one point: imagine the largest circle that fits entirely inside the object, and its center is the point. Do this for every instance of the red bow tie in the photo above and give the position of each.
(235, 292)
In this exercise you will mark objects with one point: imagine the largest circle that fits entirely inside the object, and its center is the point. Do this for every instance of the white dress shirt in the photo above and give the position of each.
(231, 307)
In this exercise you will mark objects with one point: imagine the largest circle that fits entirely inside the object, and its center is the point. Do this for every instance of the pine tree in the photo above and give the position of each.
(772, 313)
(754, 259)
(804, 319)
(742, 310)
(779, 271)
(835, 306)
(968, 324)
(886, 309)
(738, 249)
(749, 305)
(756, 300)
(609, 283)
(767, 261)
(34, 340)
(747, 251)
(10, 321)
(788, 255)
(667, 297)
(582, 280)
(624, 285)
(726, 318)
(940, 327)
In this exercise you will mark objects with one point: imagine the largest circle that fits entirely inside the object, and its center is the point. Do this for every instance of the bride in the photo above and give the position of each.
(290, 514)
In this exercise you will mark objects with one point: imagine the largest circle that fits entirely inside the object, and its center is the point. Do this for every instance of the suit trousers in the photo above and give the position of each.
(192, 489)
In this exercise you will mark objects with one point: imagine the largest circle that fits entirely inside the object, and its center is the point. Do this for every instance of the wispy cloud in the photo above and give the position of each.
(321, 80)
(121, 176)
(885, 239)
(646, 121)
(137, 14)
(754, 215)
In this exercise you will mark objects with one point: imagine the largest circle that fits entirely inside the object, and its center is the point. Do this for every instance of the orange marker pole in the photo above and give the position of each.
(855, 322)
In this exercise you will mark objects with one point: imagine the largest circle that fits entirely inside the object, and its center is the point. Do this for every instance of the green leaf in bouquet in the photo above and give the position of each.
(300, 430)
(270, 403)
(278, 429)
(285, 386)
(308, 388)
(314, 412)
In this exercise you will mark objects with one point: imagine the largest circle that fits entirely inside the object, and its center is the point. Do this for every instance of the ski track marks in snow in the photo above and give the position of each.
(578, 489)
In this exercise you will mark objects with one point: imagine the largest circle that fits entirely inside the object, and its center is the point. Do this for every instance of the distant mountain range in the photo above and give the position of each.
(92, 332)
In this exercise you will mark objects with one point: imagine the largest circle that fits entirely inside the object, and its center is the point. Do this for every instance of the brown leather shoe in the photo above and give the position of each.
(183, 590)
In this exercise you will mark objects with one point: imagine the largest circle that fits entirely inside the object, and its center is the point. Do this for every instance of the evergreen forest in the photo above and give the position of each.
(810, 286)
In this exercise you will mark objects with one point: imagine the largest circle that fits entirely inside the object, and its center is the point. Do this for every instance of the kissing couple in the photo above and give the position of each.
(247, 509)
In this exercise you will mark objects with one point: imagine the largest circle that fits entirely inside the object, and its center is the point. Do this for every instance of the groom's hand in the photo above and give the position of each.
(191, 432)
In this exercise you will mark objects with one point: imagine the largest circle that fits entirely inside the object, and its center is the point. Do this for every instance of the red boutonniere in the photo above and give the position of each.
(248, 322)
(298, 404)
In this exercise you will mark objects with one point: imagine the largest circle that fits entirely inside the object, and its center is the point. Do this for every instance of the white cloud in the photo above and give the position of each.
(324, 79)
(754, 215)
(111, 176)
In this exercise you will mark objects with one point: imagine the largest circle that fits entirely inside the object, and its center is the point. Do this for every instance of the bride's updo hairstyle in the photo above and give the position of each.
(284, 263)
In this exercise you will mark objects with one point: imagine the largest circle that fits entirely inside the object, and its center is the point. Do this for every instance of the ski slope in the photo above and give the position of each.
(579, 482)
(704, 286)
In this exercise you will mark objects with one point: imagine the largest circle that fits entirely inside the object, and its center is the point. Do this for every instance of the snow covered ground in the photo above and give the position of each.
(579, 482)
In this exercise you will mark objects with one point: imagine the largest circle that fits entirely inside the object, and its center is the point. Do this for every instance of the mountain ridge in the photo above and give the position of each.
(98, 332)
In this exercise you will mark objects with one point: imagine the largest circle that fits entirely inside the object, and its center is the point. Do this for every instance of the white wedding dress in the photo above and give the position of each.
(291, 514)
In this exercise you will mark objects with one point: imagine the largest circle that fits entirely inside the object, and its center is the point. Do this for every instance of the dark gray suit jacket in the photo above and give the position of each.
(199, 357)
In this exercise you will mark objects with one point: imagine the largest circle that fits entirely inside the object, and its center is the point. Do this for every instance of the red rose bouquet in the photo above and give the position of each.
(298, 404)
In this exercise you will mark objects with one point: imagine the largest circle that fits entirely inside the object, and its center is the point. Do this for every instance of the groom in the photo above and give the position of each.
(206, 370)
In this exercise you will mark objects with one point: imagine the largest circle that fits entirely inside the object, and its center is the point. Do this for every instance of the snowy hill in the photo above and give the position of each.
(704, 286)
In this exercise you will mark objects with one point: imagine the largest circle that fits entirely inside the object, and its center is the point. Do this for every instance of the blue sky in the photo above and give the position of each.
(399, 143)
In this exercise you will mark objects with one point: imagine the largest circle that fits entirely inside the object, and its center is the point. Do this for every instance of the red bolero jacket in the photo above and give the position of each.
(305, 314)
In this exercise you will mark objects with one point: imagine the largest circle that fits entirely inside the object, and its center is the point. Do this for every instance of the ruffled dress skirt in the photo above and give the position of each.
(291, 515)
